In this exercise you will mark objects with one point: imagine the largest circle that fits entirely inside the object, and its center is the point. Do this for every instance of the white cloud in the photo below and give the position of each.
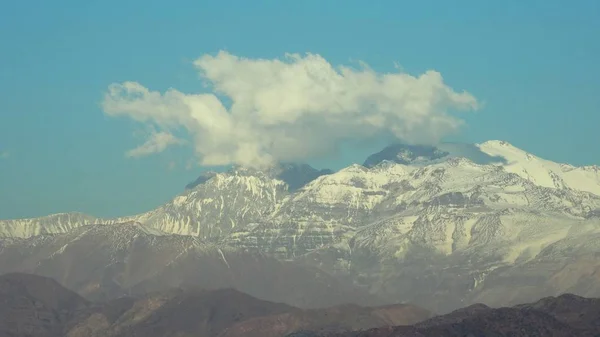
(157, 142)
(292, 109)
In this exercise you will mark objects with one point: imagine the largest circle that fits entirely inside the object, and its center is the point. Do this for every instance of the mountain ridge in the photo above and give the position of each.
(455, 229)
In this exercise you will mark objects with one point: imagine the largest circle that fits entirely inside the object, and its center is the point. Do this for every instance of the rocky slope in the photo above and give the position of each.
(40, 307)
(179, 313)
(567, 315)
(36, 306)
(441, 227)
(328, 320)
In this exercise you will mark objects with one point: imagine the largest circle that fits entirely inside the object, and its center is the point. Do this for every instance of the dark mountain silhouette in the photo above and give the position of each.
(567, 315)
(190, 312)
(334, 319)
(36, 306)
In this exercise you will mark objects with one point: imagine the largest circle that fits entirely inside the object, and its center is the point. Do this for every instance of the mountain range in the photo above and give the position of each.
(36, 306)
(440, 227)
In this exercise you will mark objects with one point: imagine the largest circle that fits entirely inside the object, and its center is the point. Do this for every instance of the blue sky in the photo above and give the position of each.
(534, 64)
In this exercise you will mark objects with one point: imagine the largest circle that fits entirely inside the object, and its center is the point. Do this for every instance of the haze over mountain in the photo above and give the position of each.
(431, 228)
(103, 262)
(36, 306)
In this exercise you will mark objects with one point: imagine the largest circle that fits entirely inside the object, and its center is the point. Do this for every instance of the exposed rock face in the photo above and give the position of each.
(442, 231)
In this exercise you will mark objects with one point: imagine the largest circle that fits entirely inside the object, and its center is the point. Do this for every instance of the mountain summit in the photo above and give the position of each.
(294, 175)
(406, 154)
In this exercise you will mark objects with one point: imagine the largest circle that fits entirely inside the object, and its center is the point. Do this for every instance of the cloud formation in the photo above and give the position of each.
(157, 142)
(292, 109)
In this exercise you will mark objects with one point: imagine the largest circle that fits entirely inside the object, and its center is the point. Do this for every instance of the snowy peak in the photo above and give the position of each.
(500, 148)
(539, 171)
(213, 208)
(294, 175)
(204, 177)
(405, 154)
(543, 172)
(422, 155)
(298, 175)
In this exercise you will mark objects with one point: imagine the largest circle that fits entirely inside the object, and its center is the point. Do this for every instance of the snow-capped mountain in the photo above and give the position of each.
(212, 209)
(406, 154)
(439, 226)
(294, 175)
(51, 224)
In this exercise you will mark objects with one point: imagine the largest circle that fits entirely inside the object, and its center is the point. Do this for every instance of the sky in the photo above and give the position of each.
(111, 107)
